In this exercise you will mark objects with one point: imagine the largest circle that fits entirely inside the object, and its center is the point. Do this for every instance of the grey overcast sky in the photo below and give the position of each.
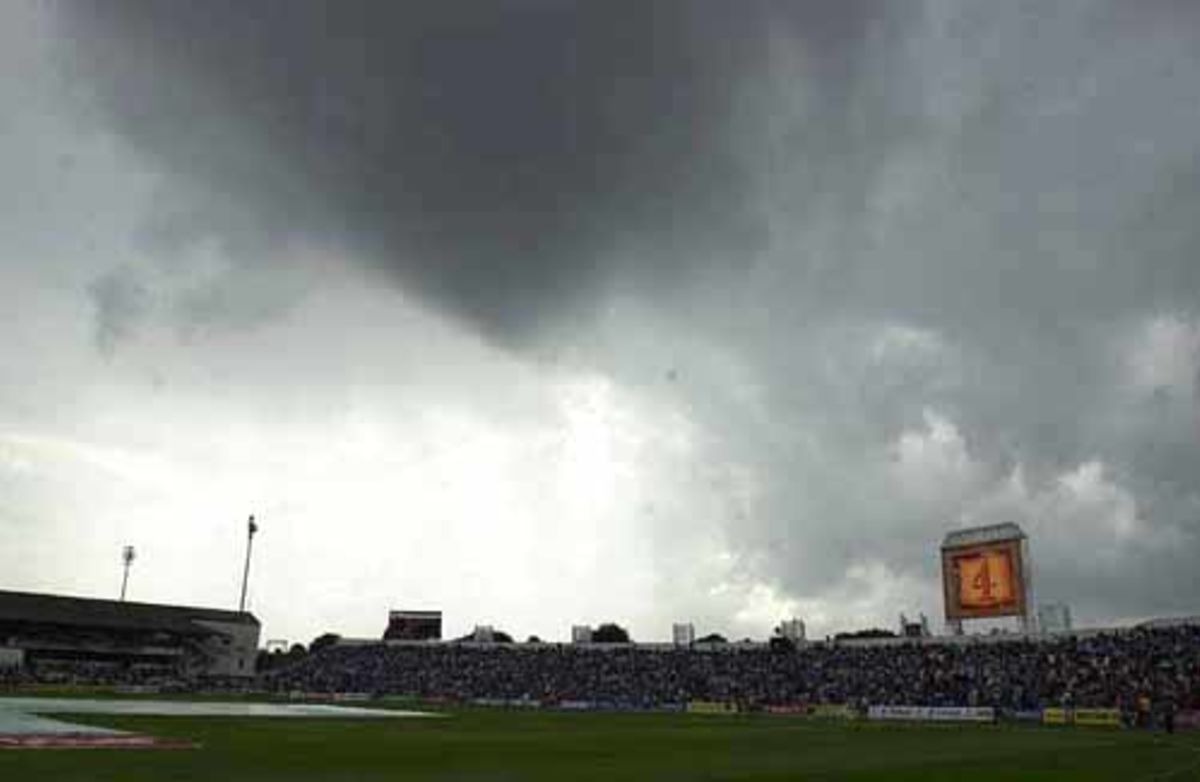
(546, 312)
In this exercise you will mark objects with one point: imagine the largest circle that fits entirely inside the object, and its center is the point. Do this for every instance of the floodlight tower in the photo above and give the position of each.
(127, 555)
(251, 528)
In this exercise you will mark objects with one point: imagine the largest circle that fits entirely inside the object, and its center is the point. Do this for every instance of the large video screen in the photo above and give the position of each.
(414, 626)
(984, 580)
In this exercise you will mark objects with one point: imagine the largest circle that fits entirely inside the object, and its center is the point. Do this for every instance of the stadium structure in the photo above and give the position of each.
(45, 632)
(986, 575)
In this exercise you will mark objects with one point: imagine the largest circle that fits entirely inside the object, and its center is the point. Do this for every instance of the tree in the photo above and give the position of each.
(497, 637)
(712, 638)
(610, 633)
(323, 641)
(533, 639)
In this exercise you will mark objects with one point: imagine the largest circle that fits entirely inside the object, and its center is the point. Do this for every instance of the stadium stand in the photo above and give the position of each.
(57, 638)
(1120, 669)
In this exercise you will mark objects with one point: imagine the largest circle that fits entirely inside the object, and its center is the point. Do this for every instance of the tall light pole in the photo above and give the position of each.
(127, 555)
(251, 528)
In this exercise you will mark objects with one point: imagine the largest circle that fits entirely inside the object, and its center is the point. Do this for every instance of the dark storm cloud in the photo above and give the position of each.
(1013, 180)
(1012, 185)
(487, 154)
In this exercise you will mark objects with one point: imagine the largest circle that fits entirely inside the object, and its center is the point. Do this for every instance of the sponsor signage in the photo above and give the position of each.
(963, 714)
(1027, 716)
(711, 707)
(833, 711)
(932, 713)
(787, 708)
(1101, 718)
(514, 703)
(894, 712)
(330, 697)
(1056, 717)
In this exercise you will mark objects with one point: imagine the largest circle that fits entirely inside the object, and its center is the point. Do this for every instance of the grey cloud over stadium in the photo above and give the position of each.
(546, 311)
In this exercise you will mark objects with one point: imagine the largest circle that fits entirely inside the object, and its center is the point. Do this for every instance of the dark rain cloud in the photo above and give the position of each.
(488, 155)
(1014, 183)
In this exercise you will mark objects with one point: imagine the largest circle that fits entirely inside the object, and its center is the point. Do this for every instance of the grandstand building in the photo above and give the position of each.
(51, 632)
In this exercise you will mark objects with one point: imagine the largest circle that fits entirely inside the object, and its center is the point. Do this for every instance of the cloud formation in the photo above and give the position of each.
(833, 277)
(486, 155)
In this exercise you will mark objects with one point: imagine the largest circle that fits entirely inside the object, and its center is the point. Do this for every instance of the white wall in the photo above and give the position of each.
(234, 651)
(11, 658)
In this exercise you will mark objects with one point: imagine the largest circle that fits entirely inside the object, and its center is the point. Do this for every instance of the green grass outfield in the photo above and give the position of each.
(510, 745)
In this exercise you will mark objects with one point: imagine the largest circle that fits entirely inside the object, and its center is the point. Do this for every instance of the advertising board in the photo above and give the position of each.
(962, 714)
(833, 711)
(1100, 718)
(786, 708)
(1026, 715)
(1056, 717)
(932, 713)
(711, 707)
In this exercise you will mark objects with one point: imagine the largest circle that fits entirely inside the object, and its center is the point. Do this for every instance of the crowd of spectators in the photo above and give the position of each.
(1108, 670)
(84, 673)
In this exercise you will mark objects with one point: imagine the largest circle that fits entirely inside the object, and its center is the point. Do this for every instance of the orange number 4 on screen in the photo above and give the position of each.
(985, 580)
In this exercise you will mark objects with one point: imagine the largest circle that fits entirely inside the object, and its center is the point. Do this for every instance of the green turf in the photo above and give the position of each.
(492, 745)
